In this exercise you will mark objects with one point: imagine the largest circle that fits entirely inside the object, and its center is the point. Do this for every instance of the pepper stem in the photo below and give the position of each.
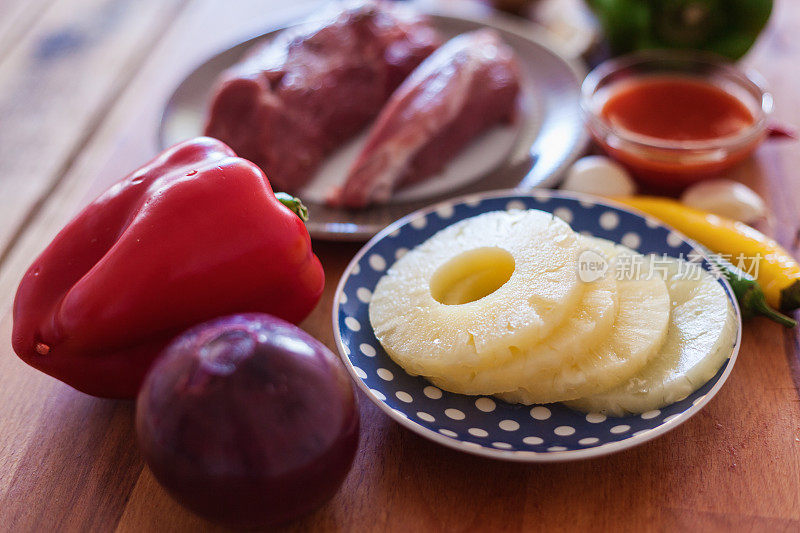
(748, 293)
(293, 203)
(755, 301)
(790, 297)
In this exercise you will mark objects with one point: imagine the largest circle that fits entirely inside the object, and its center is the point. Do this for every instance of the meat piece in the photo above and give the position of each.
(466, 86)
(295, 98)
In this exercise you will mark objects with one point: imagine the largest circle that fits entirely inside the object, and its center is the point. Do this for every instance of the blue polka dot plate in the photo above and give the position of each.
(489, 426)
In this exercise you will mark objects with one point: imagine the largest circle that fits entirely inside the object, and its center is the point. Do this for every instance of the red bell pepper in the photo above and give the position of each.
(194, 234)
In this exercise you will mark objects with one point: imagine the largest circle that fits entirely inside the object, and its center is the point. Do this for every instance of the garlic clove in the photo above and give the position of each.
(726, 198)
(599, 175)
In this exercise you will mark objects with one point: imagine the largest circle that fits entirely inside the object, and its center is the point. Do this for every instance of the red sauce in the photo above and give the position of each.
(673, 108)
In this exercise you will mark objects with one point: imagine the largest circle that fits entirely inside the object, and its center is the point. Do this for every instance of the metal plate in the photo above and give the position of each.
(548, 136)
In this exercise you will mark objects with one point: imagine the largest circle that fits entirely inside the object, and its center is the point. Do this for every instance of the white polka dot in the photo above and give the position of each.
(401, 413)
(478, 432)
(432, 392)
(622, 428)
(352, 324)
(609, 220)
(367, 350)
(631, 240)
(345, 349)
(642, 432)
(471, 444)
(540, 412)
(509, 425)
(356, 269)
(419, 222)
(503, 445)
(540, 196)
(564, 431)
(595, 418)
(360, 373)
(446, 211)
(588, 440)
(556, 449)
(673, 239)
(472, 201)
(670, 418)
(650, 414)
(422, 415)
(486, 405)
(448, 433)
(400, 252)
(533, 441)
(403, 396)
(564, 214)
(586, 203)
(377, 262)
(385, 374)
(515, 204)
(586, 233)
(395, 233)
(363, 294)
(650, 222)
(455, 414)
(698, 400)
(343, 298)
(378, 394)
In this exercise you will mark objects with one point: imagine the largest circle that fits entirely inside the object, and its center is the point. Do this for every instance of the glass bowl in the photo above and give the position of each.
(668, 163)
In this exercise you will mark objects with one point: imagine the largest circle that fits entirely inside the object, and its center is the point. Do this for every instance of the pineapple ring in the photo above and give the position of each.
(588, 324)
(428, 337)
(638, 333)
(701, 332)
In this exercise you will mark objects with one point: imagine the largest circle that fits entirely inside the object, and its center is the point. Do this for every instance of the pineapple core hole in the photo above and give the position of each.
(471, 275)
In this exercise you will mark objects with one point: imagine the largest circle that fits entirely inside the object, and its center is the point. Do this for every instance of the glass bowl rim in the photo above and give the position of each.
(746, 78)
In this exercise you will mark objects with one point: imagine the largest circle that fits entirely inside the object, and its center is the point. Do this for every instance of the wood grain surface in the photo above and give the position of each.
(82, 83)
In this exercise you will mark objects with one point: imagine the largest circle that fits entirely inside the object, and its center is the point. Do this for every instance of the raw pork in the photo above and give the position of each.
(294, 99)
(468, 85)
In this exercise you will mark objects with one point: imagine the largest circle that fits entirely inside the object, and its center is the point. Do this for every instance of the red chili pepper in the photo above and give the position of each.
(781, 130)
(194, 234)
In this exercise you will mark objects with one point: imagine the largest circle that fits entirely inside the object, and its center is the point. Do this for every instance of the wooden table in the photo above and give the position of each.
(82, 83)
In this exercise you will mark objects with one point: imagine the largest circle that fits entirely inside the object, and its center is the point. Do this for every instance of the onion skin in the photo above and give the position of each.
(248, 421)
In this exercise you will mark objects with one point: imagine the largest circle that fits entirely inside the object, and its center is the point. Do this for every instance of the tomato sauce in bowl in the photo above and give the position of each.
(674, 118)
(676, 108)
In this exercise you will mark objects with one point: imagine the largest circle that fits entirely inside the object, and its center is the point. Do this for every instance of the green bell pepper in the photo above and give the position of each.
(726, 27)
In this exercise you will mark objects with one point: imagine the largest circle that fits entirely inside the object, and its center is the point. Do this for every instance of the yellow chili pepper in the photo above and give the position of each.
(778, 273)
